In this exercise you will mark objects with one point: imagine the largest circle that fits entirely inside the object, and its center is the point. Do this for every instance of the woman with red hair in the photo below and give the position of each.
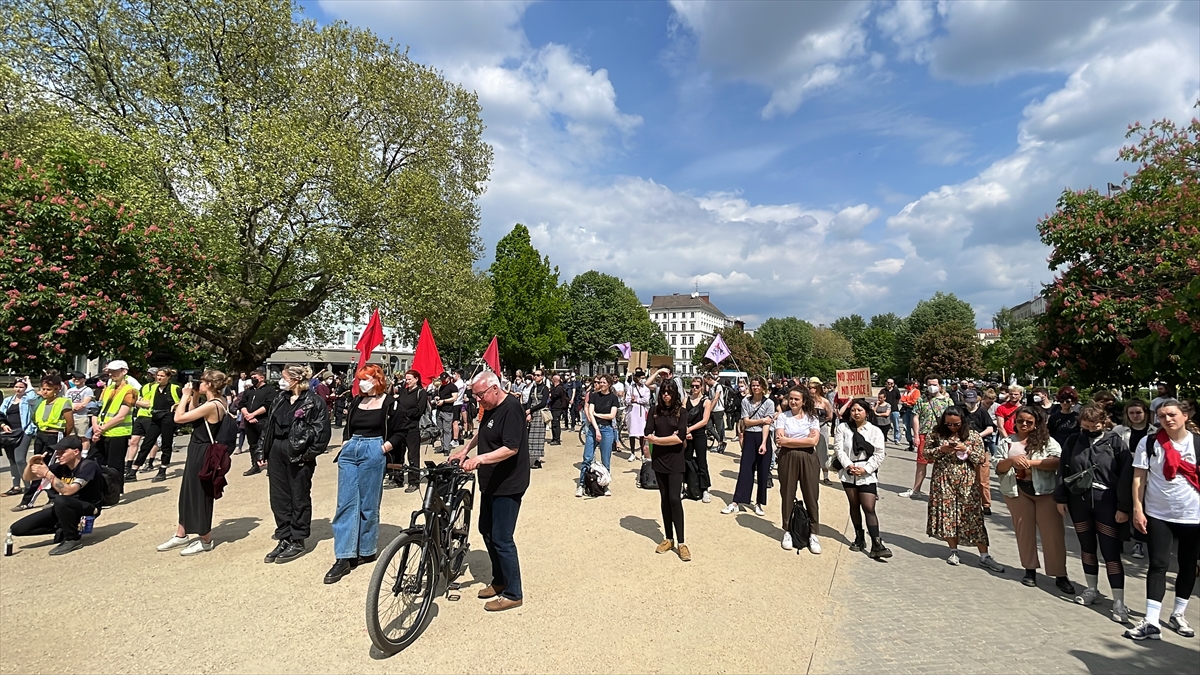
(373, 427)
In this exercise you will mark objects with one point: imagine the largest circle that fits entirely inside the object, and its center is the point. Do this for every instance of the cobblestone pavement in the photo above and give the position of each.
(916, 614)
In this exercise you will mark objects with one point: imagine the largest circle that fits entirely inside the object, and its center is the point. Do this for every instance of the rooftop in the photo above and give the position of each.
(678, 301)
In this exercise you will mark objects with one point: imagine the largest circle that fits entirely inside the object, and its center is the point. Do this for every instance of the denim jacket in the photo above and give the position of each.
(1044, 481)
(28, 404)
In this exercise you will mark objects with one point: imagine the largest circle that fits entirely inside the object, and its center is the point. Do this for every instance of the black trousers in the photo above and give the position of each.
(716, 429)
(752, 463)
(1160, 534)
(253, 435)
(156, 428)
(1095, 519)
(558, 415)
(410, 454)
(41, 444)
(291, 493)
(697, 449)
(62, 513)
(110, 452)
(670, 485)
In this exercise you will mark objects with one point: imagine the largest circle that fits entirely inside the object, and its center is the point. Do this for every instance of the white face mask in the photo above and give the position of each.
(365, 386)
(283, 384)
(1037, 398)
(933, 389)
(1001, 397)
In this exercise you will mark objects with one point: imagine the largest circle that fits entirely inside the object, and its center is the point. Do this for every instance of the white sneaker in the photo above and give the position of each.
(787, 541)
(1139, 550)
(1120, 612)
(197, 546)
(732, 508)
(906, 493)
(631, 457)
(705, 498)
(1087, 597)
(814, 546)
(579, 491)
(990, 563)
(953, 559)
(173, 542)
(758, 510)
(607, 492)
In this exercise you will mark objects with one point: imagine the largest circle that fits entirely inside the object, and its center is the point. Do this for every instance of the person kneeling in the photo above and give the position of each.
(75, 489)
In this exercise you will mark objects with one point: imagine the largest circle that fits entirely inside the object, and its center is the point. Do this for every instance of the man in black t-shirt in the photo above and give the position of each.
(978, 418)
(75, 488)
(446, 396)
(503, 464)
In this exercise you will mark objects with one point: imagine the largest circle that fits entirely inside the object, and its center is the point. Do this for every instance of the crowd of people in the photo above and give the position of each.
(1119, 470)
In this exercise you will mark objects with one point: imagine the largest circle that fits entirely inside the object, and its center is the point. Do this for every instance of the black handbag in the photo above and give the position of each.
(11, 439)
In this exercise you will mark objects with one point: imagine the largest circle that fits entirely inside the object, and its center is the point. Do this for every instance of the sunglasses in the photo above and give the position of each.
(1024, 423)
(953, 425)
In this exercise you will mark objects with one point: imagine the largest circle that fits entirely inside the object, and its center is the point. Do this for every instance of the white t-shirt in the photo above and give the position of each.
(80, 395)
(718, 397)
(796, 427)
(461, 385)
(1175, 501)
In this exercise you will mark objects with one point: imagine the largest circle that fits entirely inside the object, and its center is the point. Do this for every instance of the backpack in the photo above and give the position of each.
(691, 480)
(799, 526)
(591, 482)
(646, 478)
(110, 486)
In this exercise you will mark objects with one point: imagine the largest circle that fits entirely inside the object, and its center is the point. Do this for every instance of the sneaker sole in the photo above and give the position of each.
(1152, 636)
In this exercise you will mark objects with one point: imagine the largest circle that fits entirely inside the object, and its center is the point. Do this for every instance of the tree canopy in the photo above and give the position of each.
(747, 353)
(788, 341)
(603, 311)
(849, 326)
(948, 350)
(941, 308)
(528, 303)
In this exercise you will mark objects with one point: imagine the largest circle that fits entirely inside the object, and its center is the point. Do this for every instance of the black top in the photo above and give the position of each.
(284, 414)
(504, 427)
(1114, 467)
(539, 397)
(366, 423)
(892, 396)
(258, 397)
(410, 405)
(447, 391)
(1136, 436)
(87, 470)
(980, 419)
(558, 398)
(12, 416)
(667, 458)
(695, 413)
(1064, 423)
(162, 400)
(604, 404)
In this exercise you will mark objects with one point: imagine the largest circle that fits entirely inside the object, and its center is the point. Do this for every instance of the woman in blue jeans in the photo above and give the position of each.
(601, 410)
(373, 428)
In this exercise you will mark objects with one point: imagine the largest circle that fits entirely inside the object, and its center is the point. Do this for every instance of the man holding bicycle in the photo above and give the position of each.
(503, 463)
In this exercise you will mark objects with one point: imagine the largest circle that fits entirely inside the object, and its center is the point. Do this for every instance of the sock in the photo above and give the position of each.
(1118, 596)
(1153, 611)
(874, 530)
(1180, 606)
(128, 464)
(1092, 581)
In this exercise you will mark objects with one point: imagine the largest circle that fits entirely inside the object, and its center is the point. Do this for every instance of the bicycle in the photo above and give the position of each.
(413, 567)
(621, 440)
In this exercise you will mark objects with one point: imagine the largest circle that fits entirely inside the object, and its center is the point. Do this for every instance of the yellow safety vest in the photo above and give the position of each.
(52, 419)
(110, 406)
(148, 395)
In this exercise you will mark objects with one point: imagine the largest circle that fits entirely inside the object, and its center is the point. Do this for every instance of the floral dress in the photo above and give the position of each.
(955, 504)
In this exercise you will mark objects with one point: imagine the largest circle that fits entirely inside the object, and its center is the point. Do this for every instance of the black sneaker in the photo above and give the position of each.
(1030, 578)
(279, 548)
(160, 476)
(253, 470)
(1064, 584)
(987, 510)
(131, 475)
(66, 546)
(294, 550)
(340, 569)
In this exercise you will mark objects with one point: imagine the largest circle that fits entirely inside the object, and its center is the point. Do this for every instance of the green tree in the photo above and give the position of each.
(788, 341)
(321, 167)
(528, 304)
(889, 322)
(831, 351)
(948, 349)
(1125, 305)
(603, 311)
(86, 274)
(747, 353)
(941, 308)
(874, 348)
(849, 326)
(1015, 351)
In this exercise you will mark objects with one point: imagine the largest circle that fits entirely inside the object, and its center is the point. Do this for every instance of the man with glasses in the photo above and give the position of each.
(503, 463)
(927, 411)
(891, 394)
(978, 418)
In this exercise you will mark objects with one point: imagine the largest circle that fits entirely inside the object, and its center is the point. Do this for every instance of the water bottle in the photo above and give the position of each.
(8, 544)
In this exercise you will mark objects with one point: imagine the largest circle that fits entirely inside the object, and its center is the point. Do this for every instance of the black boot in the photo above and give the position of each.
(294, 550)
(878, 550)
(340, 569)
(279, 548)
(860, 542)
(130, 472)
(161, 475)
(254, 468)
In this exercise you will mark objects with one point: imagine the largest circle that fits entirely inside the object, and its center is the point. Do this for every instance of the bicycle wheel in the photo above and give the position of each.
(623, 436)
(460, 532)
(401, 592)
(582, 436)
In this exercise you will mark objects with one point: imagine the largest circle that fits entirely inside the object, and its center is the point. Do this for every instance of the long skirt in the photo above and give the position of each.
(537, 436)
(195, 507)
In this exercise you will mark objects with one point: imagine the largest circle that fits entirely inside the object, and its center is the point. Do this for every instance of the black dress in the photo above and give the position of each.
(668, 458)
(195, 507)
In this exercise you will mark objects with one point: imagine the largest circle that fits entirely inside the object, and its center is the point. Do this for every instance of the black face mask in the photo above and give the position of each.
(1094, 434)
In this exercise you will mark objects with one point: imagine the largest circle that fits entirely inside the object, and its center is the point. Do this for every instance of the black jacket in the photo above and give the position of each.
(539, 397)
(393, 422)
(1114, 467)
(411, 405)
(309, 434)
(558, 398)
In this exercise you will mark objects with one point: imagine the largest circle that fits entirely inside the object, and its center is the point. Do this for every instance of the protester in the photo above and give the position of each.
(637, 399)
(716, 419)
(908, 402)
(754, 438)
(826, 415)
(892, 394)
(601, 411)
(559, 408)
(154, 422)
(537, 398)
(502, 459)
(81, 396)
(1008, 408)
(1166, 508)
(699, 409)
(254, 404)
(1107, 400)
(979, 419)
(860, 450)
(412, 403)
(110, 437)
(447, 395)
(881, 413)
(955, 507)
(296, 432)
(1027, 463)
(16, 433)
(668, 436)
(1136, 427)
(1164, 392)
(926, 413)
(797, 435)
(75, 489)
(206, 410)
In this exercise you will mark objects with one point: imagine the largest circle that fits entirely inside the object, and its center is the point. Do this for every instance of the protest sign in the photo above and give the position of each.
(854, 383)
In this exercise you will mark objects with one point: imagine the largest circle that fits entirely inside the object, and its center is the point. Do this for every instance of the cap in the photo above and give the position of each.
(151, 370)
(71, 442)
(970, 396)
(639, 373)
(76, 375)
(117, 364)
(814, 380)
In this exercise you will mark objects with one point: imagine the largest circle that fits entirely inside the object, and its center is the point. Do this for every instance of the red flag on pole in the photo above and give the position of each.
(491, 356)
(372, 337)
(426, 359)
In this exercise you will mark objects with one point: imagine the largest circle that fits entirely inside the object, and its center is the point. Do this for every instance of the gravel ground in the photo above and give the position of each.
(597, 598)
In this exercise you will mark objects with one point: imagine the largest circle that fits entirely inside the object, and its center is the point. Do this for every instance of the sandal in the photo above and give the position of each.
(14, 490)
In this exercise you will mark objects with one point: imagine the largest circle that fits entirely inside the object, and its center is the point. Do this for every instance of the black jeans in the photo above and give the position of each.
(253, 435)
(110, 452)
(412, 447)
(556, 420)
(157, 427)
(1159, 534)
(62, 513)
(291, 493)
(753, 463)
(697, 449)
(669, 501)
(497, 524)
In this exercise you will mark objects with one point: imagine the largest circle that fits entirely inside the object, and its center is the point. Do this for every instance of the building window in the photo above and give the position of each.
(692, 316)
(341, 337)
(693, 324)
(672, 315)
(672, 339)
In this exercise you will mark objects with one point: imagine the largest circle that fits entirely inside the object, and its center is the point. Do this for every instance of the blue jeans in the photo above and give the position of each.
(589, 448)
(497, 523)
(909, 416)
(360, 489)
(895, 426)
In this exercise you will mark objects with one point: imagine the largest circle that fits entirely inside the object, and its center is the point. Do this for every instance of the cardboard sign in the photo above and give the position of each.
(854, 383)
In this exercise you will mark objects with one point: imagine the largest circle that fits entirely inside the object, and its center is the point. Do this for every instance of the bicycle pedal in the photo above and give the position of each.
(453, 597)
(455, 586)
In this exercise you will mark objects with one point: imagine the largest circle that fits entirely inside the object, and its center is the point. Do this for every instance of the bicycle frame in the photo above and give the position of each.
(437, 532)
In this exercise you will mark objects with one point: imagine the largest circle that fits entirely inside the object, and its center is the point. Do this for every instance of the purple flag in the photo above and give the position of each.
(717, 351)
(625, 348)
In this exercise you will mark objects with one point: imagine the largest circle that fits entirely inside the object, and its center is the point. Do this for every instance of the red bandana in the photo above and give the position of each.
(1174, 463)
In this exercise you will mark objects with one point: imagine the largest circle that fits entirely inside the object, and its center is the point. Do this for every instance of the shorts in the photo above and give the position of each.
(870, 489)
(139, 426)
(921, 450)
(82, 428)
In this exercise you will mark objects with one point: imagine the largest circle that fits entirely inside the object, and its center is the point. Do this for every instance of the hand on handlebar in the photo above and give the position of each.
(471, 464)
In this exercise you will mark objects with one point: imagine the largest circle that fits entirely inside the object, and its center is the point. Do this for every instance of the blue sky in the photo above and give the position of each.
(812, 159)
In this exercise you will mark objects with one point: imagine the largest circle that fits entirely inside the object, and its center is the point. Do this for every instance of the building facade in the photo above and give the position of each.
(686, 319)
(338, 354)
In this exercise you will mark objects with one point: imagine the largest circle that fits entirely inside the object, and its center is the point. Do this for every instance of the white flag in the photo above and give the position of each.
(718, 351)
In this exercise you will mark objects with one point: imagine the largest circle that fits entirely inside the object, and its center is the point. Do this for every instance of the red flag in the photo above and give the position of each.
(372, 337)
(426, 359)
(491, 356)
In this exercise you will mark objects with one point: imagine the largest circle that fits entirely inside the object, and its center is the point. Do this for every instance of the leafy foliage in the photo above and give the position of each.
(528, 303)
(948, 350)
(873, 348)
(603, 311)
(1126, 305)
(941, 308)
(831, 351)
(788, 341)
(889, 322)
(849, 326)
(744, 347)
(1015, 351)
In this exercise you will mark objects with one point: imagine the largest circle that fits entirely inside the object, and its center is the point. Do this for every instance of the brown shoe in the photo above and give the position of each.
(684, 554)
(500, 604)
(490, 592)
(665, 546)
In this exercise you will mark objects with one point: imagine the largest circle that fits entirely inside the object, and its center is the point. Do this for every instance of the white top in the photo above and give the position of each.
(718, 397)
(1158, 400)
(243, 385)
(80, 395)
(461, 386)
(796, 427)
(843, 443)
(1175, 501)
